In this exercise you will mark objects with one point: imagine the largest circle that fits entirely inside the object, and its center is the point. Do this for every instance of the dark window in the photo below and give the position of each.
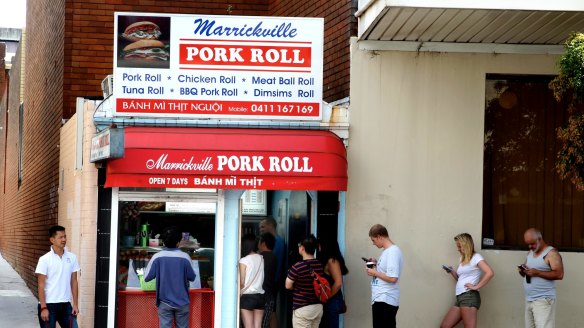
(521, 187)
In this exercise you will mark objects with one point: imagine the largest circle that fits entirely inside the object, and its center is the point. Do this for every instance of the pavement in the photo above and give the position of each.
(18, 306)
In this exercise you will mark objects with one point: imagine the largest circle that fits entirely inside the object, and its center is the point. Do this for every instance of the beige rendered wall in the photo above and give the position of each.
(78, 207)
(416, 165)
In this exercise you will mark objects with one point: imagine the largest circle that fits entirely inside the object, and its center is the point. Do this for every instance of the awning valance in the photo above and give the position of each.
(159, 157)
(496, 26)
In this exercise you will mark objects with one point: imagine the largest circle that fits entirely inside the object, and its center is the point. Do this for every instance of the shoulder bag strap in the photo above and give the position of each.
(310, 269)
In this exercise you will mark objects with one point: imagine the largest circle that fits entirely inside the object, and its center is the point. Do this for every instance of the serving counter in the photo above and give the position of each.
(137, 309)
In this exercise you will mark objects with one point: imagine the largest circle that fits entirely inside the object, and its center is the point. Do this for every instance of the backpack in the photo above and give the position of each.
(321, 286)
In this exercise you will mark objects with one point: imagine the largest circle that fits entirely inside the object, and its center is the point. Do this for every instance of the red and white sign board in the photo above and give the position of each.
(236, 67)
(223, 158)
(155, 168)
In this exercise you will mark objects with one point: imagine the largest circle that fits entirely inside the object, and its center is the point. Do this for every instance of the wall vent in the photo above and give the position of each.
(107, 86)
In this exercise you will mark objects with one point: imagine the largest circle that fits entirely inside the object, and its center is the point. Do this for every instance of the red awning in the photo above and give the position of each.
(158, 157)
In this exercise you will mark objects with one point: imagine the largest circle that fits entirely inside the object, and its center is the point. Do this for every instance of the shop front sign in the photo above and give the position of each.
(229, 159)
(236, 67)
(109, 143)
(155, 168)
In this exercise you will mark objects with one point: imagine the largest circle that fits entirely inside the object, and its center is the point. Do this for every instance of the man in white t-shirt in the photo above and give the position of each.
(385, 273)
(57, 283)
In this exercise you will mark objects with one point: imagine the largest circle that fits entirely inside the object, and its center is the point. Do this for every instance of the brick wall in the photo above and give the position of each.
(90, 29)
(2, 67)
(339, 25)
(89, 45)
(30, 209)
(4, 78)
(68, 53)
(78, 206)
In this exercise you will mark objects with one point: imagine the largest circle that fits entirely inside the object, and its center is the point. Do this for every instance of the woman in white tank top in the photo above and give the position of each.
(251, 271)
(473, 272)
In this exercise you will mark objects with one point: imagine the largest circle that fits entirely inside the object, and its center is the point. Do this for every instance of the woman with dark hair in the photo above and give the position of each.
(332, 260)
(306, 308)
(251, 272)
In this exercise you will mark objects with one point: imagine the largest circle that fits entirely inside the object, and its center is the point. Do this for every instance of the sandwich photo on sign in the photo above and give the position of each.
(147, 50)
(143, 30)
(143, 42)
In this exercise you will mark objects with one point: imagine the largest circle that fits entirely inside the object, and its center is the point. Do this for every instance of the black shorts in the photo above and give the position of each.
(252, 302)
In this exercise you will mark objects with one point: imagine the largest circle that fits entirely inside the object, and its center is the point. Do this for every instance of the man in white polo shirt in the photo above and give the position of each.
(57, 283)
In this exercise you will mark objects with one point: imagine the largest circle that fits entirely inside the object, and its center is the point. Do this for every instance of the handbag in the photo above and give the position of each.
(321, 286)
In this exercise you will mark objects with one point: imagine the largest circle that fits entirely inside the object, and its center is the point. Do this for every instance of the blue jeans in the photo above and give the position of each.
(58, 312)
(332, 310)
(180, 315)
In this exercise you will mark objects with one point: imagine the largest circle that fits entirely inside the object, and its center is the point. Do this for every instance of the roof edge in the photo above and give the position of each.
(530, 5)
(492, 48)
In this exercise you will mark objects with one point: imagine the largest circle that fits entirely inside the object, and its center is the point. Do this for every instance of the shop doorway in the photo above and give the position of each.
(297, 215)
(138, 216)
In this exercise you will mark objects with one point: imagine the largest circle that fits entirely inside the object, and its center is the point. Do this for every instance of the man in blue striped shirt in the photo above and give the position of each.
(173, 270)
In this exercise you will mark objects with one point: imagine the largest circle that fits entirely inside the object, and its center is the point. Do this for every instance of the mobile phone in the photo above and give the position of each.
(447, 268)
(523, 267)
(365, 259)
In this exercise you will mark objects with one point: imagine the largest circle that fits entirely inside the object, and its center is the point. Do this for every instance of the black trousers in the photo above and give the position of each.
(384, 315)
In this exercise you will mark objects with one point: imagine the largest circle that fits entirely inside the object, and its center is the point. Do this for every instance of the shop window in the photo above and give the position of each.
(141, 223)
(521, 187)
(141, 226)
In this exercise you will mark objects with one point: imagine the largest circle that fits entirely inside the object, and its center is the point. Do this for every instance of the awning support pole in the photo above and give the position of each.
(226, 259)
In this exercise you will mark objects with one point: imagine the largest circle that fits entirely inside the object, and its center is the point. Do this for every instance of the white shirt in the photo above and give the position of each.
(254, 268)
(390, 263)
(58, 271)
(468, 273)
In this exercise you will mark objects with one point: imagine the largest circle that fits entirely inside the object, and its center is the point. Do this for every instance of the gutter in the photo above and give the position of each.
(364, 9)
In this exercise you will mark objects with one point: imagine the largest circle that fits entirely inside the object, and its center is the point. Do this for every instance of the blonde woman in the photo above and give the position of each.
(473, 273)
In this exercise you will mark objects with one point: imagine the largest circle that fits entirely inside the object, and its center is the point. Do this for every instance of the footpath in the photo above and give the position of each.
(18, 306)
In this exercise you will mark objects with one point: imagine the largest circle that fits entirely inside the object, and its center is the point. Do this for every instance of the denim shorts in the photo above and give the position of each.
(472, 298)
